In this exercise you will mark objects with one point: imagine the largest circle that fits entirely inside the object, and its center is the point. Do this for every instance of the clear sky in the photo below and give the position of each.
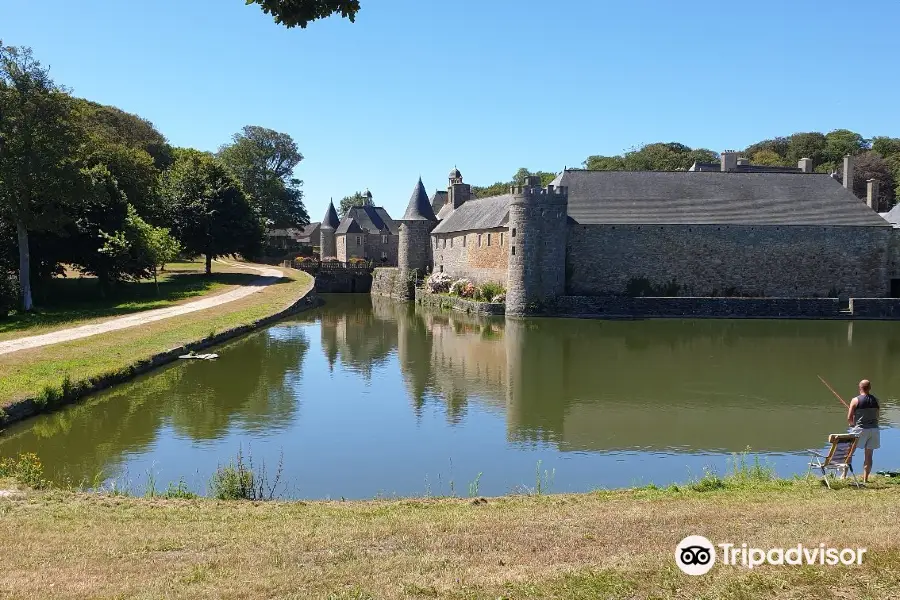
(418, 86)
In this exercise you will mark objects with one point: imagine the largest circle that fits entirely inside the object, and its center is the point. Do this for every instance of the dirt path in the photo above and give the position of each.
(268, 277)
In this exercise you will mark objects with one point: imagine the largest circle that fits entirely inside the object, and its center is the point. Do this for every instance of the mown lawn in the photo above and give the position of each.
(620, 544)
(74, 300)
(31, 373)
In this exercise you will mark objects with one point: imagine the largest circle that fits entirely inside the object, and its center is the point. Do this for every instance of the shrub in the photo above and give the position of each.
(26, 469)
(499, 299)
(468, 291)
(239, 481)
(488, 291)
(438, 283)
(459, 286)
(356, 261)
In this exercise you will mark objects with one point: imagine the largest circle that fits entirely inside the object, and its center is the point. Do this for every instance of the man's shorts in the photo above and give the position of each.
(870, 439)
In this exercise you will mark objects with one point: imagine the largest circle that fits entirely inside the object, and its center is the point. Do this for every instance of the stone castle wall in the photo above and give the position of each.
(717, 260)
(327, 247)
(414, 252)
(460, 255)
(392, 283)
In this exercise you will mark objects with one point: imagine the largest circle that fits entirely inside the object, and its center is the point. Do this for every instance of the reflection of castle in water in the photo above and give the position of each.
(607, 385)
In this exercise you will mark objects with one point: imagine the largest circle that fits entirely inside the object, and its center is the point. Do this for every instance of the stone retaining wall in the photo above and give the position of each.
(442, 301)
(347, 281)
(390, 282)
(772, 308)
(875, 308)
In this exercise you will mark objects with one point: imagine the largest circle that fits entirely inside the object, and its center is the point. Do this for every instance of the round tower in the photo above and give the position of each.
(537, 246)
(327, 245)
(414, 253)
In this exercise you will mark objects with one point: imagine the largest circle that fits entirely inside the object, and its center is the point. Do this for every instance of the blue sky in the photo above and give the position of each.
(415, 87)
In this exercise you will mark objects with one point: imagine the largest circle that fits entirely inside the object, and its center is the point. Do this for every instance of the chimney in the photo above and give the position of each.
(848, 172)
(805, 165)
(729, 160)
(872, 194)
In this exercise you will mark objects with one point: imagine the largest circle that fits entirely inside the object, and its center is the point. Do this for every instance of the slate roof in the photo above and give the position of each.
(438, 201)
(372, 219)
(656, 198)
(331, 219)
(481, 213)
(445, 212)
(702, 166)
(419, 207)
(308, 230)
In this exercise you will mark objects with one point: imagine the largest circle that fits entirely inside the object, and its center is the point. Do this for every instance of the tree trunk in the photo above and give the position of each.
(155, 282)
(209, 264)
(24, 266)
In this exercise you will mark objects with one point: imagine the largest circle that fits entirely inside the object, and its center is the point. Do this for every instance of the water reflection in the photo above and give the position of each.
(365, 392)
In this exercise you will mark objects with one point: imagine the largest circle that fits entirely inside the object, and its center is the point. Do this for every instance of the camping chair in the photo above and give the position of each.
(839, 457)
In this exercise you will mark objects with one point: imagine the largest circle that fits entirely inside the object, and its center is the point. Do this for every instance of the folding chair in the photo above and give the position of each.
(838, 459)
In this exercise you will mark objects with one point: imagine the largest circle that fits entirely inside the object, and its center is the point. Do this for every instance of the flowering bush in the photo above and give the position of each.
(458, 286)
(438, 283)
(469, 291)
(499, 299)
(487, 291)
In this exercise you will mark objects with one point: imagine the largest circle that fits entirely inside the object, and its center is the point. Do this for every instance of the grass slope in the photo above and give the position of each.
(30, 373)
(598, 545)
(74, 300)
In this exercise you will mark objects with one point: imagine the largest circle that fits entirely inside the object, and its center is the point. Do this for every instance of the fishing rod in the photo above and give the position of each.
(832, 391)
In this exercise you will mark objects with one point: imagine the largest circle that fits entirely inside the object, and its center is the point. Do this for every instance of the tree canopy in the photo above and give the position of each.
(299, 13)
(263, 160)
(355, 199)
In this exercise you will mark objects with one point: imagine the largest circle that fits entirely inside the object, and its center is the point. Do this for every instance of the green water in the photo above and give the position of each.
(366, 396)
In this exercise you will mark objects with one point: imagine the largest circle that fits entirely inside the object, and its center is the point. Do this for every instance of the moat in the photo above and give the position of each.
(366, 397)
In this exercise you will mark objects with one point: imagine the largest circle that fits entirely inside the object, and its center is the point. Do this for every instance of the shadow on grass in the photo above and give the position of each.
(64, 300)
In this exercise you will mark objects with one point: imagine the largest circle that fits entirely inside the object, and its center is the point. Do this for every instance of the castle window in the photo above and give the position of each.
(514, 232)
(464, 240)
(501, 238)
(384, 239)
(489, 239)
(442, 268)
(358, 240)
(451, 242)
(444, 243)
(479, 240)
(513, 250)
(383, 255)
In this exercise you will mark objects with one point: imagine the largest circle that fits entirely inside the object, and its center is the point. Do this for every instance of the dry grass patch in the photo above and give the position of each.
(609, 545)
(30, 373)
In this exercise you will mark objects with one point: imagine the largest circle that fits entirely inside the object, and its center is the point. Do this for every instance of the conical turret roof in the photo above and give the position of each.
(419, 208)
(331, 219)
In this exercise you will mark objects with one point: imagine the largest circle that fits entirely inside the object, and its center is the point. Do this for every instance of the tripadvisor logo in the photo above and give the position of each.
(696, 555)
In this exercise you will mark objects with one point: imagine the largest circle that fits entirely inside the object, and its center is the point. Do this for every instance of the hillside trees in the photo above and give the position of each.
(355, 199)
(293, 13)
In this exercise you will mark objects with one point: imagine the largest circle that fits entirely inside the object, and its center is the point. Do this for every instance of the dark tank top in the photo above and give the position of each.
(866, 411)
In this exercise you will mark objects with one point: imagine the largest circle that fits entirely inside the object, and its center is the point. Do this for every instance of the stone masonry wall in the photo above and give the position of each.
(376, 244)
(716, 260)
(414, 253)
(442, 301)
(771, 308)
(327, 248)
(391, 283)
(460, 255)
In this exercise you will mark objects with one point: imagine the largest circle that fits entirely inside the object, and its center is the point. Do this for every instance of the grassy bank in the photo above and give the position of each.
(47, 372)
(75, 300)
(598, 545)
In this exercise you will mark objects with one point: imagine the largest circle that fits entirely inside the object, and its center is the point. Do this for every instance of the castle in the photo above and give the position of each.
(738, 231)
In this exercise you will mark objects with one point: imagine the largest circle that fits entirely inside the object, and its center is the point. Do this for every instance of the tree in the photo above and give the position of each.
(780, 146)
(604, 163)
(870, 165)
(768, 158)
(153, 246)
(521, 174)
(211, 214)
(292, 13)
(357, 199)
(807, 145)
(886, 146)
(111, 125)
(841, 142)
(38, 144)
(263, 160)
(135, 173)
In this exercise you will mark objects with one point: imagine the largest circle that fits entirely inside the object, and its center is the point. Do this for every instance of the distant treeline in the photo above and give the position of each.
(101, 190)
(876, 158)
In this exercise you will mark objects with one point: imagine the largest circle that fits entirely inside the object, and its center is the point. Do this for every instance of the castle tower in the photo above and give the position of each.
(537, 246)
(415, 232)
(457, 191)
(327, 246)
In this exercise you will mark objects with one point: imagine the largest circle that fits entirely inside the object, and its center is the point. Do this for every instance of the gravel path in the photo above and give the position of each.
(268, 277)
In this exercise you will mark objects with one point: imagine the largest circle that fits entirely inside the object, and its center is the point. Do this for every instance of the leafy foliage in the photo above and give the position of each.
(209, 211)
(357, 199)
(263, 160)
(293, 13)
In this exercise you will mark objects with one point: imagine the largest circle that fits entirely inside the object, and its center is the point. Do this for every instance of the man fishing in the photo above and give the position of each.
(863, 420)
